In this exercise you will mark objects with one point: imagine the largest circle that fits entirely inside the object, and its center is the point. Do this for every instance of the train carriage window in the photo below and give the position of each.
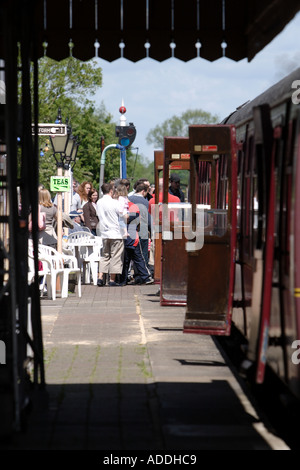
(207, 200)
(249, 159)
(287, 195)
(292, 141)
(212, 183)
(204, 178)
(201, 189)
(278, 199)
(222, 194)
(240, 157)
(247, 198)
(255, 202)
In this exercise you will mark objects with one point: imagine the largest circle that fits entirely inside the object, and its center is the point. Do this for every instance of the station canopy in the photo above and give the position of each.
(159, 29)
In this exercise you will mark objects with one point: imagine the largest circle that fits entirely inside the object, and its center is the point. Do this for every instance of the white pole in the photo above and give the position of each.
(59, 214)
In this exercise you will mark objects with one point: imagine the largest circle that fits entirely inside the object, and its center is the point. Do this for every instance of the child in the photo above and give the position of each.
(121, 195)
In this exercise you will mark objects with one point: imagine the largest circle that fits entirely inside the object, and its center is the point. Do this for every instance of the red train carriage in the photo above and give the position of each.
(267, 287)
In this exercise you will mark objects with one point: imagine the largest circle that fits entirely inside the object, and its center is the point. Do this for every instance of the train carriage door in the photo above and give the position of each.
(173, 283)
(156, 226)
(213, 200)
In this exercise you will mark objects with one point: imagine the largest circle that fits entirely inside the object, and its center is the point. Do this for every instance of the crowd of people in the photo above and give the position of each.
(122, 218)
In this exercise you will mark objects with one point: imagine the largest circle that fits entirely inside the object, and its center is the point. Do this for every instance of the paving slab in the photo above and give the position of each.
(122, 375)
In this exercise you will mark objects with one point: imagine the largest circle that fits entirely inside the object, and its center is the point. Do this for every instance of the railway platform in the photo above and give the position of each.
(122, 376)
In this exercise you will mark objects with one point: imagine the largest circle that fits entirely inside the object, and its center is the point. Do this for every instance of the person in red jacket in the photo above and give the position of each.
(152, 208)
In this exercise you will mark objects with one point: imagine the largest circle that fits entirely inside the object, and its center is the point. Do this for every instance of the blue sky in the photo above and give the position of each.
(154, 91)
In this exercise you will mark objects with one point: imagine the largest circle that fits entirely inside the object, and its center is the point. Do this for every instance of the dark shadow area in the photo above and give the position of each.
(166, 329)
(158, 416)
(281, 409)
(185, 362)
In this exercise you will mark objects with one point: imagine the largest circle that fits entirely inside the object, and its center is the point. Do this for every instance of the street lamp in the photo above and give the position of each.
(60, 143)
(65, 148)
(71, 150)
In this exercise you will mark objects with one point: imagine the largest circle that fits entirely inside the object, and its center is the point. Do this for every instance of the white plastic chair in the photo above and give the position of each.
(87, 248)
(31, 269)
(81, 235)
(53, 268)
(71, 267)
(74, 240)
(90, 262)
(62, 265)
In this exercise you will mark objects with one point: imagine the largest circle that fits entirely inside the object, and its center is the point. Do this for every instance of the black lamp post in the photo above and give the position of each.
(65, 147)
(59, 143)
(71, 150)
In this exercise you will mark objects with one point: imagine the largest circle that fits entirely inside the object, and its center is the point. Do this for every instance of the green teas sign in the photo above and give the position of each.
(60, 183)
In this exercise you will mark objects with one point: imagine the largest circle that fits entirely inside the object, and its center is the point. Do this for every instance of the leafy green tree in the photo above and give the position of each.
(143, 170)
(69, 85)
(178, 126)
(66, 84)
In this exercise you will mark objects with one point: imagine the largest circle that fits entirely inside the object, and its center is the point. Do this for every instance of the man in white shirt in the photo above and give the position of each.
(108, 211)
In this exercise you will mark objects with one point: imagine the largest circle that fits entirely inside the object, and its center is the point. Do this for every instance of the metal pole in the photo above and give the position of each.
(102, 163)
(123, 163)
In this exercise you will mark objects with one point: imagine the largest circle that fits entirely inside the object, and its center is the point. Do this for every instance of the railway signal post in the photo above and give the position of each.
(126, 135)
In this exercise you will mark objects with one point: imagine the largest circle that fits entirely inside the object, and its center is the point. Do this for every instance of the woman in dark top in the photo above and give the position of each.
(90, 211)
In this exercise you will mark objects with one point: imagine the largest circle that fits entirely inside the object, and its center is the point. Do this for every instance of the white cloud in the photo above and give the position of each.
(154, 91)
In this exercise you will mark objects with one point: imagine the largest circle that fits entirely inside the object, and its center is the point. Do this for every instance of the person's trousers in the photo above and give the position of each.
(134, 254)
(111, 260)
(144, 243)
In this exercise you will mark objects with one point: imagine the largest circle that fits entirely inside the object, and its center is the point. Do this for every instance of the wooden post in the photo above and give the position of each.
(67, 202)
(59, 225)
(59, 214)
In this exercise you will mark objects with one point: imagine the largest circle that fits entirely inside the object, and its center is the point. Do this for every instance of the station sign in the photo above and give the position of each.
(175, 166)
(60, 184)
(180, 156)
(50, 129)
(205, 148)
